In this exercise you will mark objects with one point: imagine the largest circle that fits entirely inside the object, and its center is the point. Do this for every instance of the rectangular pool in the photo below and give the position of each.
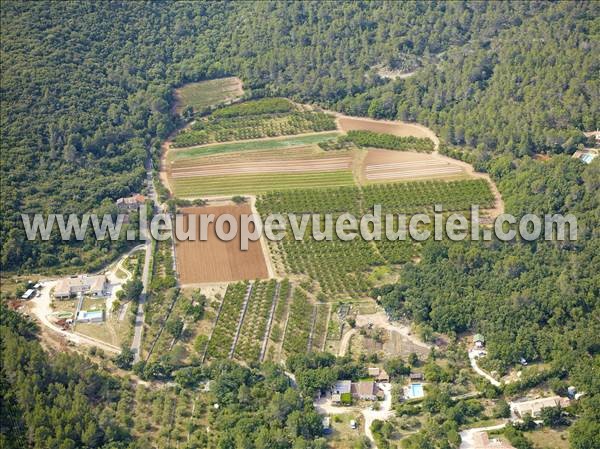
(415, 391)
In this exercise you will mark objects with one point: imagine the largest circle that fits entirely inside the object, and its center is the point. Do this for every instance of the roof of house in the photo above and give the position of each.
(364, 388)
(28, 294)
(416, 375)
(535, 406)
(342, 386)
(94, 283)
(481, 440)
(62, 288)
(133, 199)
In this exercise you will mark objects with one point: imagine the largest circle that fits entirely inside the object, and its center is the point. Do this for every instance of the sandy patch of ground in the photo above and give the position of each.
(215, 260)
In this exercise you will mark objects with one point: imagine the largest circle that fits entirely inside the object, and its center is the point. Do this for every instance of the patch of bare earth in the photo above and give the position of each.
(215, 260)
(388, 165)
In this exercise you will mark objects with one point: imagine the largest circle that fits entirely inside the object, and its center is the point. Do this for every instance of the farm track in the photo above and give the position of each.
(162, 328)
(241, 319)
(312, 328)
(265, 341)
(285, 327)
(212, 331)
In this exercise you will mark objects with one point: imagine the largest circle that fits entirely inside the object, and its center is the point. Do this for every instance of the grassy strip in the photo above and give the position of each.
(267, 144)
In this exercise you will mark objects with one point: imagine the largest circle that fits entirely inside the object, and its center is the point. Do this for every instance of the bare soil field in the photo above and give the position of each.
(215, 260)
(397, 128)
(388, 165)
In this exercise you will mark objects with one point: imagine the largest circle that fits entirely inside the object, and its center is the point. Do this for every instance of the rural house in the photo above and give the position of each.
(85, 284)
(131, 202)
(534, 407)
(366, 390)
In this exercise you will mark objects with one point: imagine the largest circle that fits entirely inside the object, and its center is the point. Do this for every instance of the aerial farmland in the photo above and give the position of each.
(281, 157)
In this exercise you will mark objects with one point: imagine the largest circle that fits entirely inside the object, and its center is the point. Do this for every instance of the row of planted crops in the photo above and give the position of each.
(340, 267)
(267, 117)
(256, 318)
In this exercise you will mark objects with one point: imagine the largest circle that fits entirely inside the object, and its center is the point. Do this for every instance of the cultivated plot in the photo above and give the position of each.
(401, 129)
(215, 260)
(204, 94)
(388, 165)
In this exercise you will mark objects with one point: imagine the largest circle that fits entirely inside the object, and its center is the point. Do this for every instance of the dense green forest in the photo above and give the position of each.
(87, 87)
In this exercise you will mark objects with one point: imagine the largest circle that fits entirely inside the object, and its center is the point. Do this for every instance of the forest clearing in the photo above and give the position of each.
(204, 94)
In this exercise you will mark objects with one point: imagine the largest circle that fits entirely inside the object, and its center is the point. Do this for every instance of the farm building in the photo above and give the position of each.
(92, 285)
(131, 202)
(416, 376)
(379, 374)
(587, 155)
(534, 407)
(29, 294)
(95, 316)
(341, 387)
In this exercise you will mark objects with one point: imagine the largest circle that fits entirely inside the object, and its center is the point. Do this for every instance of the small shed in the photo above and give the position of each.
(29, 294)
(478, 340)
(416, 376)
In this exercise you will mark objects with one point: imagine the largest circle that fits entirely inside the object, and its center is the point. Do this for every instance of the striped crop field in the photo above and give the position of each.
(259, 183)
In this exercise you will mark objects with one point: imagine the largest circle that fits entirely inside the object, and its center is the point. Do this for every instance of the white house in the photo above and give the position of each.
(85, 284)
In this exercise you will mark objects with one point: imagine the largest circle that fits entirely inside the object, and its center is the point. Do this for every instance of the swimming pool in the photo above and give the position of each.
(415, 391)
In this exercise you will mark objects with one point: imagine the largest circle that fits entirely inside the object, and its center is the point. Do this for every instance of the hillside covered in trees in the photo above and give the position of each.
(87, 95)
(87, 87)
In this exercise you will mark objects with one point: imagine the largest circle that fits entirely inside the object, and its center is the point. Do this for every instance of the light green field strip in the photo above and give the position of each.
(268, 144)
(260, 183)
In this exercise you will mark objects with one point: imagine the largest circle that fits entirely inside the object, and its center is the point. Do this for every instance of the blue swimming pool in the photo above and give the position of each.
(416, 391)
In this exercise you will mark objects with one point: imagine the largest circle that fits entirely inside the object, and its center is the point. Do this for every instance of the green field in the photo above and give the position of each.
(267, 144)
(259, 183)
(208, 93)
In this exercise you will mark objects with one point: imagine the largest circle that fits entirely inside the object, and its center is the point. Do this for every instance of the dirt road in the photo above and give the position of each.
(473, 355)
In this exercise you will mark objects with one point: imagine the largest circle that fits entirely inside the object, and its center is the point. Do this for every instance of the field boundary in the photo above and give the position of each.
(265, 341)
(241, 319)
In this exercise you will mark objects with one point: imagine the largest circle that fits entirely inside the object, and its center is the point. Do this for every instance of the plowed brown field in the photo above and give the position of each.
(215, 260)
(387, 165)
